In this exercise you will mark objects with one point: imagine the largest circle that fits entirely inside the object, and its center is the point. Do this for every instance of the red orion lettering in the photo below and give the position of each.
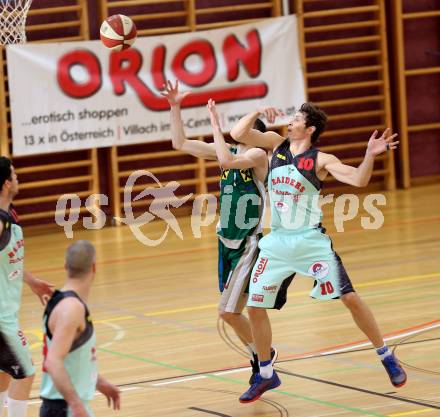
(124, 68)
(260, 269)
(288, 181)
(234, 52)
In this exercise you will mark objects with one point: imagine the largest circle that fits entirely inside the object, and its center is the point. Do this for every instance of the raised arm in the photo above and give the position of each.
(243, 131)
(65, 323)
(360, 176)
(253, 158)
(179, 140)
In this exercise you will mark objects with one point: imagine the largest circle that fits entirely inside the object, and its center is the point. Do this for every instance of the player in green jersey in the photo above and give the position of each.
(244, 171)
(70, 374)
(16, 367)
(297, 242)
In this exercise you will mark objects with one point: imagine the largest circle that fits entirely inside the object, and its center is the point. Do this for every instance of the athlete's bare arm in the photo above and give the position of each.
(254, 158)
(243, 131)
(196, 148)
(360, 176)
(39, 287)
(110, 391)
(65, 322)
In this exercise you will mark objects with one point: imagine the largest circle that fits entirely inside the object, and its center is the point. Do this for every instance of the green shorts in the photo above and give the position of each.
(285, 253)
(15, 358)
(234, 270)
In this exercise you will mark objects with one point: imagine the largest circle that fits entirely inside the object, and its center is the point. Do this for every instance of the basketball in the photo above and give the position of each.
(118, 32)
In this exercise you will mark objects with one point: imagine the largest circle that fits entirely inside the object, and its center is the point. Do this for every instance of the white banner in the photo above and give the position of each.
(79, 95)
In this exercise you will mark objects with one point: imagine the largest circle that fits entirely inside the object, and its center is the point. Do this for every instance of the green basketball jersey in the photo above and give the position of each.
(242, 202)
(80, 363)
(11, 265)
(294, 189)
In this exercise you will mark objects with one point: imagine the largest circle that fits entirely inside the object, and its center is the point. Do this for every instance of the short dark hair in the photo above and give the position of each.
(5, 170)
(314, 116)
(259, 125)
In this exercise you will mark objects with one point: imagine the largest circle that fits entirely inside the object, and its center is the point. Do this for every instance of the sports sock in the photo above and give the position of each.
(383, 352)
(266, 369)
(17, 408)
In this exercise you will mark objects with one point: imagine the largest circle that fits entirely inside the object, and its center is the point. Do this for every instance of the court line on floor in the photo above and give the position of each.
(132, 258)
(183, 378)
(387, 336)
(214, 413)
(220, 373)
(301, 293)
(96, 394)
(239, 382)
(363, 390)
(202, 375)
(346, 347)
(120, 333)
(185, 251)
(411, 413)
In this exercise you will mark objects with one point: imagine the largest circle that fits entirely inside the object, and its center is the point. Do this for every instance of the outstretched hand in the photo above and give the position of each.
(213, 114)
(378, 145)
(172, 93)
(270, 113)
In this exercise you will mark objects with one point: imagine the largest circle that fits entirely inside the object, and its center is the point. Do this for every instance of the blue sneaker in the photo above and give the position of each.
(259, 387)
(395, 371)
(256, 364)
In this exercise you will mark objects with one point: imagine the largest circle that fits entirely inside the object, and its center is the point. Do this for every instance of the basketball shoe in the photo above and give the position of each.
(259, 387)
(395, 371)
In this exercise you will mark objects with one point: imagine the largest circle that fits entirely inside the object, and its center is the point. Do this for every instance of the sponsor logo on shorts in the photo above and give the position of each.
(281, 207)
(259, 298)
(319, 270)
(260, 269)
(270, 288)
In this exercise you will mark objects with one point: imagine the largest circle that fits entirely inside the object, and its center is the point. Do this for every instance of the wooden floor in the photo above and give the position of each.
(156, 319)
